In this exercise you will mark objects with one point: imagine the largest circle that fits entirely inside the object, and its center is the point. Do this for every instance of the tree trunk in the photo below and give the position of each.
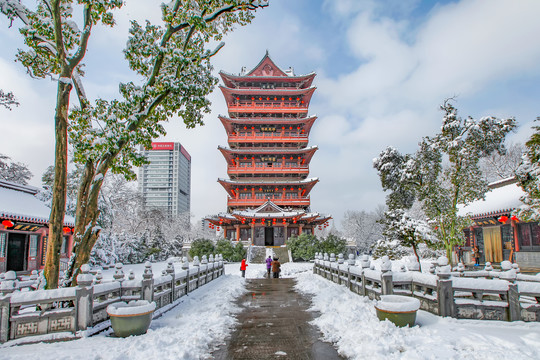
(87, 215)
(58, 209)
(416, 254)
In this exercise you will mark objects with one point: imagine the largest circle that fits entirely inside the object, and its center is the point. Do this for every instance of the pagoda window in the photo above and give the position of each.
(260, 196)
(292, 195)
(245, 195)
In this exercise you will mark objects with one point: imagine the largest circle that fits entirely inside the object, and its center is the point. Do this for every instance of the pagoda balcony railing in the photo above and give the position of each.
(267, 169)
(278, 200)
(256, 106)
(268, 136)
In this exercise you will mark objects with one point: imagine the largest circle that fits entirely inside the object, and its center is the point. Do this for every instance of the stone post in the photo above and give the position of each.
(185, 267)
(170, 272)
(197, 265)
(340, 259)
(445, 295)
(85, 298)
(147, 291)
(364, 261)
(514, 308)
(351, 262)
(4, 317)
(119, 276)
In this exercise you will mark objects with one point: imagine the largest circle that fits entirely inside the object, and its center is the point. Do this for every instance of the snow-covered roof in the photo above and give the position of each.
(18, 202)
(499, 199)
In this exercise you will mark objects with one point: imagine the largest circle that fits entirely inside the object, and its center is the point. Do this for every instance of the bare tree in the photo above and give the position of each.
(497, 167)
(14, 171)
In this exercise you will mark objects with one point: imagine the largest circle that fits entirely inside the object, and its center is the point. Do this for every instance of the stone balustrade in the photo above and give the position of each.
(504, 295)
(26, 312)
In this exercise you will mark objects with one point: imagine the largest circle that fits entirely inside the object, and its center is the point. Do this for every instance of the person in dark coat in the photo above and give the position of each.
(276, 267)
(269, 265)
(243, 267)
(476, 254)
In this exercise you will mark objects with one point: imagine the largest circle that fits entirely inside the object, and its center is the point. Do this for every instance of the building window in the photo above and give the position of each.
(33, 246)
(3, 243)
(63, 249)
(529, 236)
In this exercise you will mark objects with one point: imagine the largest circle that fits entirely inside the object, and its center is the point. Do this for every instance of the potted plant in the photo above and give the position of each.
(400, 310)
(131, 318)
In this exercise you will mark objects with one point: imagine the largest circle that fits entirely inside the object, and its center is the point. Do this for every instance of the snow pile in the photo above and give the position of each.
(132, 308)
(349, 322)
(398, 303)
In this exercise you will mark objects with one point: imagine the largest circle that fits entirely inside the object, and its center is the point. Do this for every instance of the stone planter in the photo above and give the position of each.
(131, 318)
(400, 310)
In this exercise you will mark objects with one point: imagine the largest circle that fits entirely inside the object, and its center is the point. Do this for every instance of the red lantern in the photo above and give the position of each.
(220, 221)
(245, 189)
(294, 220)
(260, 98)
(253, 221)
(515, 218)
(302, 101)
(284, 221)
(275, 99)
(260, 189)
(262, 221)
(283, 128)
(253, 128)
(282, 98)
(7, 223)
(217, 228)
(252, 98)
(297, 99)
(66, 229)
(267, 98)
(503, 219)
(290, 99)
(292, 189)
(245, 127)
(210, 226)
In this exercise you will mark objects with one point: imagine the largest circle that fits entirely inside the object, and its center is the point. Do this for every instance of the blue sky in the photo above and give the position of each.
(383, 68)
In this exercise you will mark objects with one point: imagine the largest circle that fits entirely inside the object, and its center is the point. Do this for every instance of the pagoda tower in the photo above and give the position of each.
(268, 156)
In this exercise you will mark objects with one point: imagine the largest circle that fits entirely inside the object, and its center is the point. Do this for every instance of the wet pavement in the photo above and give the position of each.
(274, 324)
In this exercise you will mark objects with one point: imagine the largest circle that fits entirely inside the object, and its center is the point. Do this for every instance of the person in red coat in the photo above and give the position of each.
(243, 267)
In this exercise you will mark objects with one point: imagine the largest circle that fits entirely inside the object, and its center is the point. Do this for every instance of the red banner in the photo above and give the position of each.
(162, 146)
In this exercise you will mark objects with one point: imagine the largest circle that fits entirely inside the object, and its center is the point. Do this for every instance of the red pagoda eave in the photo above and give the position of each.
(307, 185)
(230, 79)
(260, 95)
(306, 122)
(229, 154)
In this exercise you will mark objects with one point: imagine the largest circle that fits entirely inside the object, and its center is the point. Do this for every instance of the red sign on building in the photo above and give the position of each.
(162, 146)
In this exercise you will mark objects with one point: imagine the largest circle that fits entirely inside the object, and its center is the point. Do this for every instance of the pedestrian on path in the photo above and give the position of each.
(243, 267)
(276, 267)
(268, 265)
(476, 254)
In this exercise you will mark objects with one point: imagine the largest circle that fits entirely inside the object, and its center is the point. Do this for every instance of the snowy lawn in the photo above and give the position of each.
(204, 319)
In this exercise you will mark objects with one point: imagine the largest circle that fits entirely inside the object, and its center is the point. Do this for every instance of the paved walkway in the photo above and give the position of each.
(274, 324)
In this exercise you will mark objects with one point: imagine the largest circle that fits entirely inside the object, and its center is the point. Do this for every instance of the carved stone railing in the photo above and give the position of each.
(24, 312)
(505, 296)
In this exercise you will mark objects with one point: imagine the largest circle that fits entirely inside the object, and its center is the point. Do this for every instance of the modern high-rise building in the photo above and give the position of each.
(268, 156)
(165, 183)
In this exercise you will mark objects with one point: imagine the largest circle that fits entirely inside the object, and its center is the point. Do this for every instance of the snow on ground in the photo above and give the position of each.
(189, 331)
(204, 319)
(349, 321)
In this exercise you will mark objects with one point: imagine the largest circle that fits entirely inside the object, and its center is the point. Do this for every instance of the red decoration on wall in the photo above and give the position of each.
(7, 223)
(503, 219)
